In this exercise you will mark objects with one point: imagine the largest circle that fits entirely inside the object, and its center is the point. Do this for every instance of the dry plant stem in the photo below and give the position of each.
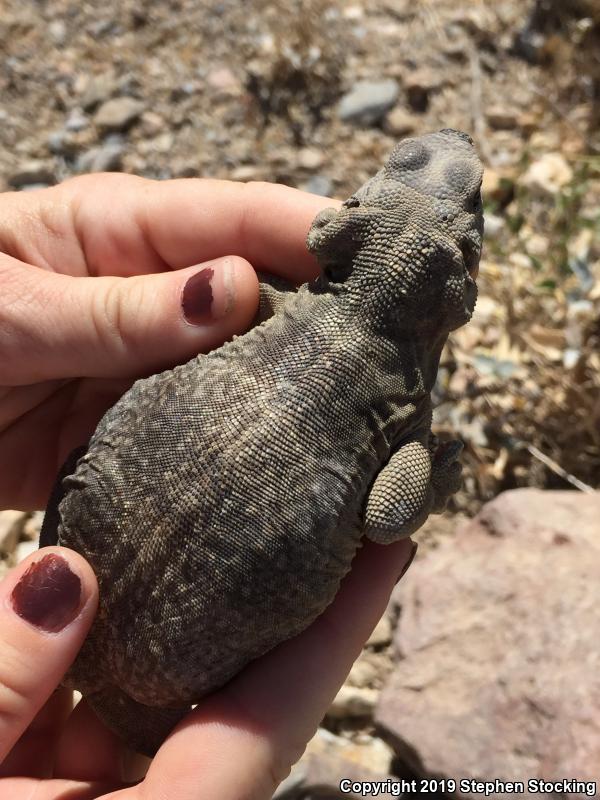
(479, 125)
(556, 468)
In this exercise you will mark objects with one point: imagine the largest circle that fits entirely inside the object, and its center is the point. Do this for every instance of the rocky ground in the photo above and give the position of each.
(313, 94)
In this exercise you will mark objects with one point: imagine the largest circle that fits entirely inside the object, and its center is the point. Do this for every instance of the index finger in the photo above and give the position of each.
(191, 220)
(265, 223)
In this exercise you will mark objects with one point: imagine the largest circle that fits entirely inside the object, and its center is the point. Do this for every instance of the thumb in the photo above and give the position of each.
(58, 326)
(47, 604)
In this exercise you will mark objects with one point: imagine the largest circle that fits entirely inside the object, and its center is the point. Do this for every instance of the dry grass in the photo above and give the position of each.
(526, 379)
(295, 69)
(571, 50)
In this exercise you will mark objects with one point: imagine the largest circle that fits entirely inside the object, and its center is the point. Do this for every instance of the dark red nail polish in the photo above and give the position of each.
(197, 297)
(411, 558)
(48, 594)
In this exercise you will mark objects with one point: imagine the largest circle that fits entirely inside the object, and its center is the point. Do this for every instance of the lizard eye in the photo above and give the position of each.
(351, 202)
(410, 155)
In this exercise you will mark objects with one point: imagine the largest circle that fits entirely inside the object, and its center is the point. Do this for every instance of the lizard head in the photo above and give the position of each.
(411, 234)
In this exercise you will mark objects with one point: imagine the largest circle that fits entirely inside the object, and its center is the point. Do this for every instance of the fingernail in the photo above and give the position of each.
(48, 594)
(208, 295)
(411, 558)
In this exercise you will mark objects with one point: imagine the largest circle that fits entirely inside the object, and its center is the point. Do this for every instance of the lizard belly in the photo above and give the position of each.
(222, 563)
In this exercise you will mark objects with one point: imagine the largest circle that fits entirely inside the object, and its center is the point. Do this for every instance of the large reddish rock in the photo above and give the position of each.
(498, 642)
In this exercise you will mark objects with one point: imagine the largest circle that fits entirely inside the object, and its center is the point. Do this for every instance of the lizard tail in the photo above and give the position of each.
(144, 728)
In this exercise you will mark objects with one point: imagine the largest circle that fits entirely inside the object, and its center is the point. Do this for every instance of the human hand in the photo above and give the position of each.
(92, 275)
(238, 744)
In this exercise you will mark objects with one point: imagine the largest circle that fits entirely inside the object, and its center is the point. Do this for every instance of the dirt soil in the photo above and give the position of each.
(250, 91)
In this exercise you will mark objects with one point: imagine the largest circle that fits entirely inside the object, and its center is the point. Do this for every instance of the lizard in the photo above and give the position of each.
(220, 503)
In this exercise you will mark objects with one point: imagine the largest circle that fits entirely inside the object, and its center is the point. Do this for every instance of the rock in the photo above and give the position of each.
(353, 12)
(352, 701)
(61, 143)
(382, 633)
(497, 186)
(246, 172)
(33, 525)
(529, 44)
(528, 121)
(152, 123)
(25, 549)
(119, 113)
(477, 21)
(501, 118)
(182, 91)
(33, 187)
(548, 175)
(58, 32)
(546, 140)
(536, 244)
(399, 122)
(498, 634)
(579, 248)
(163, 143)
(103, 27)
(184, 170)
(495, 225)
(488, 309)
(368, 670)
(98, 89)
(418, 85)
(35, 172)
(76, 121)
(107, 157)
(368, 101)
(329, 759)
(11, 527)
(310, 158)
(55, 142)
(436, 528)
(319, 184)
(519, 260)
(223, 81)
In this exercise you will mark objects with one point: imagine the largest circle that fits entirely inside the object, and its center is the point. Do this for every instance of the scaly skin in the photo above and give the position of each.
(221, 502)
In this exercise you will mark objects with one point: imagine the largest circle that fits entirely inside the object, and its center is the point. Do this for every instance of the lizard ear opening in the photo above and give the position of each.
(330, 241)
(336, 236)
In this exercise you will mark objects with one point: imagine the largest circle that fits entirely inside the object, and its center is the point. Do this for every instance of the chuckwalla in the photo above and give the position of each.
(220, 503)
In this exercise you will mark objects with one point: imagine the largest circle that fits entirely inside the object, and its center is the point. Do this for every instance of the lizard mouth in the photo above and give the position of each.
(470, 254)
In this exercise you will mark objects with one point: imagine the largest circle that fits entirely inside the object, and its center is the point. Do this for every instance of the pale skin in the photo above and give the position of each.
(91, 277)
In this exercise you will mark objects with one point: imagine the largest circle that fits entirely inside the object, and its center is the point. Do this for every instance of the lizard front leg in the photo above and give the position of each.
(274, 294)
(417, 481)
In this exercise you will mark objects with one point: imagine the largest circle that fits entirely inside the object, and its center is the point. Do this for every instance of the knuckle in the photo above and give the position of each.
(16, 334)
(107, 316)
(282, 761)
(15, 699)
(86, 184)
(122, 318)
